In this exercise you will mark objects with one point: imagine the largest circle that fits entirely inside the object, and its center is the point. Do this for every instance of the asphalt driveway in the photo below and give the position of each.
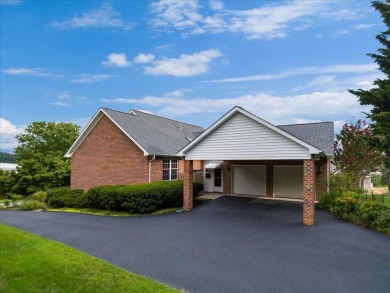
(231, 244)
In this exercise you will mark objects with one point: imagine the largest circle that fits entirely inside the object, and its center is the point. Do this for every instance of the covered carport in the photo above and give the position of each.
(259, 159)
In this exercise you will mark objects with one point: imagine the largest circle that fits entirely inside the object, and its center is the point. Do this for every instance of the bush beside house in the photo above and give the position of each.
(137, 198)
(66, 197)
(354, 206)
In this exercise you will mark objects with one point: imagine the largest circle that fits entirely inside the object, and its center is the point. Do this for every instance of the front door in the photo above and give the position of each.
(213, 180)
(218, 180)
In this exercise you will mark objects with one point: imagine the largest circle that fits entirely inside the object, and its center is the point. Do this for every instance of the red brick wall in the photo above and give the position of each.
(309, 171)
(187, 186)
(198, 165)
(321, 177)
(108, 157)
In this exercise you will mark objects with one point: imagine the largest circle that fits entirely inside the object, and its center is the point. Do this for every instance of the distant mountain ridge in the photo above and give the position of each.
(8, 158)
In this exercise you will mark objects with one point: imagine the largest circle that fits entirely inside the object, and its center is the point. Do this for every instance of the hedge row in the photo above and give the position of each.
(61, 197)
(137, 198)
(370, 214)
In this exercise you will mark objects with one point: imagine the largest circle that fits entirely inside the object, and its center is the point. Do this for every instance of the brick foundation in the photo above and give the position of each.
(187, 186)
(308, 191)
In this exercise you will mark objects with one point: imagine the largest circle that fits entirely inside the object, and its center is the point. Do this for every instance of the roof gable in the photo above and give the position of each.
(224, 119)
(154, 135)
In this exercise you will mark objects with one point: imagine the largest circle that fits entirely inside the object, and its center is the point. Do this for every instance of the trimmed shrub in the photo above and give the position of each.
(39, 196)
(139, 198)
(197, 188)
(33, 205)
(16, 197)
(66, 197)
(344, 207)
(325, 201)
(375, 215)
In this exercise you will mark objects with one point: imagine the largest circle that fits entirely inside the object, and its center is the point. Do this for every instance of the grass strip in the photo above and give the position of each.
(30, 263)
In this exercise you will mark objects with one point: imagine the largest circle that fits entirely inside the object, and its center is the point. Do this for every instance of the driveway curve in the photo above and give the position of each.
(230, 244)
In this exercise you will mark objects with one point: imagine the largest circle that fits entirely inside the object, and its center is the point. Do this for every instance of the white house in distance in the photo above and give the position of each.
(8, 166)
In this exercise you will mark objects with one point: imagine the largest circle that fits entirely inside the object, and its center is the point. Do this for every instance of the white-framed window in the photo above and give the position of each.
(207, 173)
(170, 167)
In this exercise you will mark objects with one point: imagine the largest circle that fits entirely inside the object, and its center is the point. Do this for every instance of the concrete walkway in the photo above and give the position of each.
(228, 245)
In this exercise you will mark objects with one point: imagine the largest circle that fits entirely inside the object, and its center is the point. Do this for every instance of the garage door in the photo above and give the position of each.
(288, 181)
(249, 180)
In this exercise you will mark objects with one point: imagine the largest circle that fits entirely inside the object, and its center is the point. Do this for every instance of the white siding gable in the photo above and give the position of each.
(242, 138)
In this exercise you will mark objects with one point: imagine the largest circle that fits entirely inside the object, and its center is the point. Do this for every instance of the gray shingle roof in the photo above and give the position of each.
(163, 136)
(319, 135)
(157, 135)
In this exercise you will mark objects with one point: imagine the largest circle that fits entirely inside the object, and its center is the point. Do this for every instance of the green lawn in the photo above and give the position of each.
(387, 200)
(30, 263)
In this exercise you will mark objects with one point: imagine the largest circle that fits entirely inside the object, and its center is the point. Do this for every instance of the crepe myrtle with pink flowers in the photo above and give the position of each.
(354, 152)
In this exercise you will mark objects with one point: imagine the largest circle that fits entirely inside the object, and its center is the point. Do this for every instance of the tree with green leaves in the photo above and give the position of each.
(41, 160)
(354, 154)
(49, 138)
(379, 96)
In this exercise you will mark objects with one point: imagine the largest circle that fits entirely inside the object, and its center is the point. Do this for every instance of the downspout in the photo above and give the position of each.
(329, 161)
(151, 159)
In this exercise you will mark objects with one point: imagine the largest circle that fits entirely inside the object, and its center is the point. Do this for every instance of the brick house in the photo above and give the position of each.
(238, 154)
(118, 148)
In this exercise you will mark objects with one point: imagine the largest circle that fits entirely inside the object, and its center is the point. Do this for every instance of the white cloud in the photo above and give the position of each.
(61, 99)
(36, 71)
(267, 21)
(216, 4)
(103, 17)
(181, 14)
(343, 32)
(82, 122)
(116, 60)
(8, 133)
(363, 26)
(10, 2)
(338, 68)
(83, 100)
(315, 106)
(321, 81)
(60, 104)
(185, 65)
(90, 78)
(63, 96)
(338, 14)
(142, 58)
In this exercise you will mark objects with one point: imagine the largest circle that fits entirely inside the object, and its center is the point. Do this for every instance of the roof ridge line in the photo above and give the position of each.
(166, 118)
(304, 123)
(127, 113)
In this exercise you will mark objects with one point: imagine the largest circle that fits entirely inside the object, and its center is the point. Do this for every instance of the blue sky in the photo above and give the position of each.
(285, 61)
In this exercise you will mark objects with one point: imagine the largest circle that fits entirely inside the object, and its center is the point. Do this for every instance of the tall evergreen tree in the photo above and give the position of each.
(379, 96)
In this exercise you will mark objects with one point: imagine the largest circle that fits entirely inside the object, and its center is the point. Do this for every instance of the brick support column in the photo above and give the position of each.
(269, 180)
(227, 177)
(308, 191)
(187, 186)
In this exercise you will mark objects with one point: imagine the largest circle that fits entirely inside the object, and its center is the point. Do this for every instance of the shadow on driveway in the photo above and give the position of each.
(231, 244)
